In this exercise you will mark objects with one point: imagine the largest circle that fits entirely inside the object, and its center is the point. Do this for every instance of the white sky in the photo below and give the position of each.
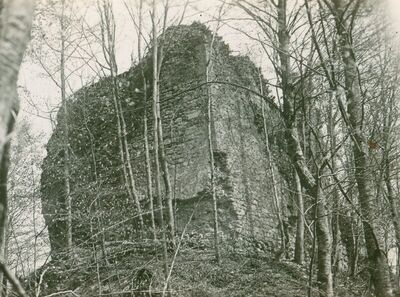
(394, 12)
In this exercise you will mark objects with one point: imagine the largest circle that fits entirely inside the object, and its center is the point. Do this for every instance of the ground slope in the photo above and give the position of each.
(131, 272)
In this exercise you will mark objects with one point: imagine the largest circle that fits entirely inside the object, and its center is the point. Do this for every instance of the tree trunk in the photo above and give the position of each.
(299, 244)
(5, 162)
(388, 123)
(108, 46)
(67, 184)
(325, 282)
(15, 34)
(393, 203)
(161, 146)
(132, 183)
(149, 182)
(15, 30)
(331, 127)
(348, 238)
(156, 145)
(348, 224)
(378, 266)
(211, 154)
(324, 250)
(166, 177)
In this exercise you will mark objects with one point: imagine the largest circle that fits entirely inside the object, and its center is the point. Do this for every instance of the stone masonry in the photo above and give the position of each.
(245, 200)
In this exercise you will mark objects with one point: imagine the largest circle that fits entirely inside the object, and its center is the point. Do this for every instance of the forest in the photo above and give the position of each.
(199, 148)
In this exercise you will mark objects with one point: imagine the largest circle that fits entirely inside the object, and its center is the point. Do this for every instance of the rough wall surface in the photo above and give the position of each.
(245, 201)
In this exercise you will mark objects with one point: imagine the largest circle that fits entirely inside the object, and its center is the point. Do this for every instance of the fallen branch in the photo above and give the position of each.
(63, 292)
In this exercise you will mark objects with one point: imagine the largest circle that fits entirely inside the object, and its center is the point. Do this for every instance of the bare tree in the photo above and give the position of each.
(163, 159)
(145, 121)
(65, 127)
(299, 244)
(108, 28)
(156, 124)
(345, 15)
(279, 35)
(61, 49)
(209, 67)
(16, 17)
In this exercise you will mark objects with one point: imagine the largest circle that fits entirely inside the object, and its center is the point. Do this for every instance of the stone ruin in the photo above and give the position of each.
(244, 187)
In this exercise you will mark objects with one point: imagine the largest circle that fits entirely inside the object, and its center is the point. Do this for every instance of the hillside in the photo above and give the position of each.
(194, 274)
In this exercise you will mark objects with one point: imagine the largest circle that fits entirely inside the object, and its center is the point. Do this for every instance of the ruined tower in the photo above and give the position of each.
(245, 201)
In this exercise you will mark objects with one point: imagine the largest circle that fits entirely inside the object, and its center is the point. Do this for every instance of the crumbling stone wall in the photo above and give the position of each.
(244, 189)
(243, 143)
